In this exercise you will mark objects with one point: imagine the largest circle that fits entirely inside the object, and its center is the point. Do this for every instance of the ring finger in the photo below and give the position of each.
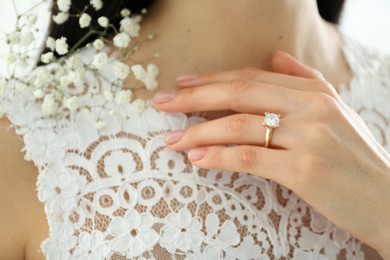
(238, 129)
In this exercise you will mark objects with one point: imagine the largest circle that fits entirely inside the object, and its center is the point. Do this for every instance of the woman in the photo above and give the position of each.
(120, 192)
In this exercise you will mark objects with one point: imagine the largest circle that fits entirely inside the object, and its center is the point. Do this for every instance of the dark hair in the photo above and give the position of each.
(330, 10)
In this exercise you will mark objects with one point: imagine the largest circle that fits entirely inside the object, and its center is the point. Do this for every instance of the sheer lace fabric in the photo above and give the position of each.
(120, 193)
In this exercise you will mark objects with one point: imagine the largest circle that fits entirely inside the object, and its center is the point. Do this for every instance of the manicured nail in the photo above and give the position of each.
(196, 154)
(186, 77)
(162, 97)
(173, 137)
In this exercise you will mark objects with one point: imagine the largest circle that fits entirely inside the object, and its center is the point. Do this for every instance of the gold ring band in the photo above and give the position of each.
(271, 121)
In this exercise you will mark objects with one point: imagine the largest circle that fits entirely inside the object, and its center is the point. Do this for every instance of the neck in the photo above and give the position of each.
(214, 35)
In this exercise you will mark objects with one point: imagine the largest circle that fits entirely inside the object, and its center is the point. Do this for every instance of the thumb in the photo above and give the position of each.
(286, 64)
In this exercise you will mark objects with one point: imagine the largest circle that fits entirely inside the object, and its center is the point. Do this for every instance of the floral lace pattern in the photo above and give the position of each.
(117, 192)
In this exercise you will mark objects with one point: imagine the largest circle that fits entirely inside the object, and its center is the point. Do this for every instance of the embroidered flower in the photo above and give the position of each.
(210, 252)
(133, 233)
(119, 164)
(58, 189)
(92, 246)
(182, 232)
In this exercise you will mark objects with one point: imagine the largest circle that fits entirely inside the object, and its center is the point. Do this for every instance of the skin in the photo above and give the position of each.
(191, 36)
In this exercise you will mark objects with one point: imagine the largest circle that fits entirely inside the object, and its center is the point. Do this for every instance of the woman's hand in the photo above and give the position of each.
(322, 150)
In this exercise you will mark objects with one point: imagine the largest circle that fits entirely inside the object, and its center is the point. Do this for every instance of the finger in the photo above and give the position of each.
(268, 163)
(286, 64)
(238, 95)
(236, 129)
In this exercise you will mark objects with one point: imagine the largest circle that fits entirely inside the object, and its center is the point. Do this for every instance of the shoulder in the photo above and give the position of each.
(21, 214)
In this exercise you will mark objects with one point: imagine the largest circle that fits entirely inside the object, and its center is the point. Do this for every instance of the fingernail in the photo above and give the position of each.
(196, 154)
(186, 77)
(161, 97)
(173, 137)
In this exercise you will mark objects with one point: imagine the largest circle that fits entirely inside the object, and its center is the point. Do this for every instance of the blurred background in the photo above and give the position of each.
(366, 20)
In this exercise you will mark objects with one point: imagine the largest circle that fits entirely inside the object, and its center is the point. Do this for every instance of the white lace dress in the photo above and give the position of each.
(120, 193)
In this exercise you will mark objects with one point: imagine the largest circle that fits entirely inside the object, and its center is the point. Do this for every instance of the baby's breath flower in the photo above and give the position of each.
(144, 11)
(61, 46)
(130, 26)
(72, 103)
(38, 93)
(100, 124)
(13, 38)
(65, 81)
(100, 60)
(125, 12)
(27, 38)
(122, 40)
(97, 4)
(47, 57)
(50, 43)
(60, 18)
(76, 76)
(73, 62)
(148, 76)
(121, 70)
(139, 105)
(103, 21)
(98, 44)
(49, 105)
(11, 58)
(31, 19)
(108, 95)
(123, 96)
(85, 20)
(64, 5)
(38, 82)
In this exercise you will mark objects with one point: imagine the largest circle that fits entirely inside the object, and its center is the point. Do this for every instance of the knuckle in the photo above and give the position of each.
(248, 73)
(238, 86)
(308, 170)
(324, 105)
(323, 86)
(237, 123)
(248, 155)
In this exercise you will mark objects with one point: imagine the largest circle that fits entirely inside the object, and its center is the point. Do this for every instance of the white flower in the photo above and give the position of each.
(123, 96)
(133, 233)
(98, 44)
(122, 40)
(64, 5)
(100, 124)
(13, 38)
(125, 12)
(38, 82)
(148, 76)
(72, 103)
(121, 70)
(103, 21)
(39, 93)
(76, 76)
(92, 246)
(130, 26)
(182, 232)
(100, 60)
(97, 4)
(31, 19)
(61, 46)
(47, 57)
(11, 58)
(58, 189)
(85, 20)
(27, 38)
(60, 243)
(73, 62)
(139, 105)
(109, 95)
(51, 43)
(60, 18)
(3, 85)
(49, 105)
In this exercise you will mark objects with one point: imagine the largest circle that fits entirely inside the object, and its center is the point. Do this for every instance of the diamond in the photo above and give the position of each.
(271, 120)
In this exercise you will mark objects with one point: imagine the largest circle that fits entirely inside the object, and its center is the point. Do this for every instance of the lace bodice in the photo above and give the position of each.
(117, 192)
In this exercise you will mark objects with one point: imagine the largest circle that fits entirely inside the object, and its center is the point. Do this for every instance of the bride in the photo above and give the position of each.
(192, 173)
